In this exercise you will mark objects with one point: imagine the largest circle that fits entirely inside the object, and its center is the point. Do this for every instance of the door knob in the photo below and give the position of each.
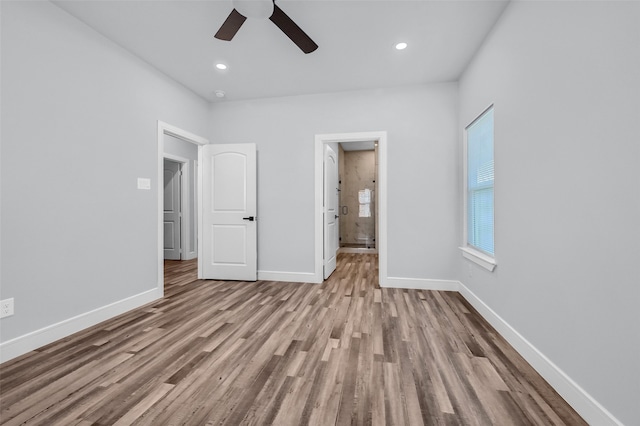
(250, 218)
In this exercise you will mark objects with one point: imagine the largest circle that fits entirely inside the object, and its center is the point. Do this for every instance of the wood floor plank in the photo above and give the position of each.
(345, 352)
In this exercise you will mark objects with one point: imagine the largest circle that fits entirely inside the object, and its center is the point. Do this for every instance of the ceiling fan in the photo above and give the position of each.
(264, 9)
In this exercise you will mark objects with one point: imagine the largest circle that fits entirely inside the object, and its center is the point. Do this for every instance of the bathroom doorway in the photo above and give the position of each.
(358, 165)
(380, 197)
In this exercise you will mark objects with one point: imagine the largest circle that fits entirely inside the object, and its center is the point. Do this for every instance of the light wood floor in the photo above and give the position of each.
(344, 352)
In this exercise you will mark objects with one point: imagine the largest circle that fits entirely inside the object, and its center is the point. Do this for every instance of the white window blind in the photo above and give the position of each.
(480, 183)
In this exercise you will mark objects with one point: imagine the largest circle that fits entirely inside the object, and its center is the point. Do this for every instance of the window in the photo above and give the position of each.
(479, 244)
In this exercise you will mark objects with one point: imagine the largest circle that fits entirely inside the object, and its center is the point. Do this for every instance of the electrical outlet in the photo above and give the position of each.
(6, 308)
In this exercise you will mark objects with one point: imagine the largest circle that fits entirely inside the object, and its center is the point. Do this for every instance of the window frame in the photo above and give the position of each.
(470, 252)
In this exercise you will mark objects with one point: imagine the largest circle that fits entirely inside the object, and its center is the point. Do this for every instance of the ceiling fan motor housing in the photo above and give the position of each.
(254, 8)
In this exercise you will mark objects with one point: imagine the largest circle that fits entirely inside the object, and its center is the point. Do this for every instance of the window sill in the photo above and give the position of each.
(487, 262)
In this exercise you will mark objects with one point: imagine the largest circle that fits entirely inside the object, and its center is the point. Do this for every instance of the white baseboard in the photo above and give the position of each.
(290, 277)
(421, 284)
(36, 339)
(590, 410)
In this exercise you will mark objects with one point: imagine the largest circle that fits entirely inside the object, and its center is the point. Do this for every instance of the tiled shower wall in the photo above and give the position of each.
(358, 173)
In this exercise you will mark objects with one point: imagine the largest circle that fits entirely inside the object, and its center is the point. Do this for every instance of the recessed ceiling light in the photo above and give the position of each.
(219, 93)
(221, 66)
(401, 46)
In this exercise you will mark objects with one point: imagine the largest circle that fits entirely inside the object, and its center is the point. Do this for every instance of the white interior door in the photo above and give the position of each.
(172, 214)
(229, 234)
(331, 201)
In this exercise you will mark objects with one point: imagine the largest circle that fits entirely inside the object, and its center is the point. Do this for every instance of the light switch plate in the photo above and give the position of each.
(144, 183)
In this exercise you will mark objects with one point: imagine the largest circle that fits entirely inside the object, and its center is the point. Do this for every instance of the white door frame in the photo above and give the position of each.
(381, 239)
(176, 132)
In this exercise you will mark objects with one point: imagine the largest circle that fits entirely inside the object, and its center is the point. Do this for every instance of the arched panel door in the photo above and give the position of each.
(229, 231)
(331, 202)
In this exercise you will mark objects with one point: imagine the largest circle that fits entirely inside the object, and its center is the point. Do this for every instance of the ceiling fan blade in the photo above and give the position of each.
(230, 26)
(292, 30)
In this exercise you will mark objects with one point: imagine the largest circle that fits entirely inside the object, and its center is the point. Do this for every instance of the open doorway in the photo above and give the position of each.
(380, 203)
(358, 168)
(180, 199)
(173, 210)
(182, 147)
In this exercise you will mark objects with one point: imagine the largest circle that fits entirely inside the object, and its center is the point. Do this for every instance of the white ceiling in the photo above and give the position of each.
(356, 42)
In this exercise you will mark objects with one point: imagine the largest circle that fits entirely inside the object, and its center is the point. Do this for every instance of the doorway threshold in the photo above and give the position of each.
(357, 250)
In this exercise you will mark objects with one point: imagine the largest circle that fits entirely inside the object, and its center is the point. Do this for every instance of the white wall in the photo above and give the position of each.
(423, 171)
(79, 126)
(564, 80)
